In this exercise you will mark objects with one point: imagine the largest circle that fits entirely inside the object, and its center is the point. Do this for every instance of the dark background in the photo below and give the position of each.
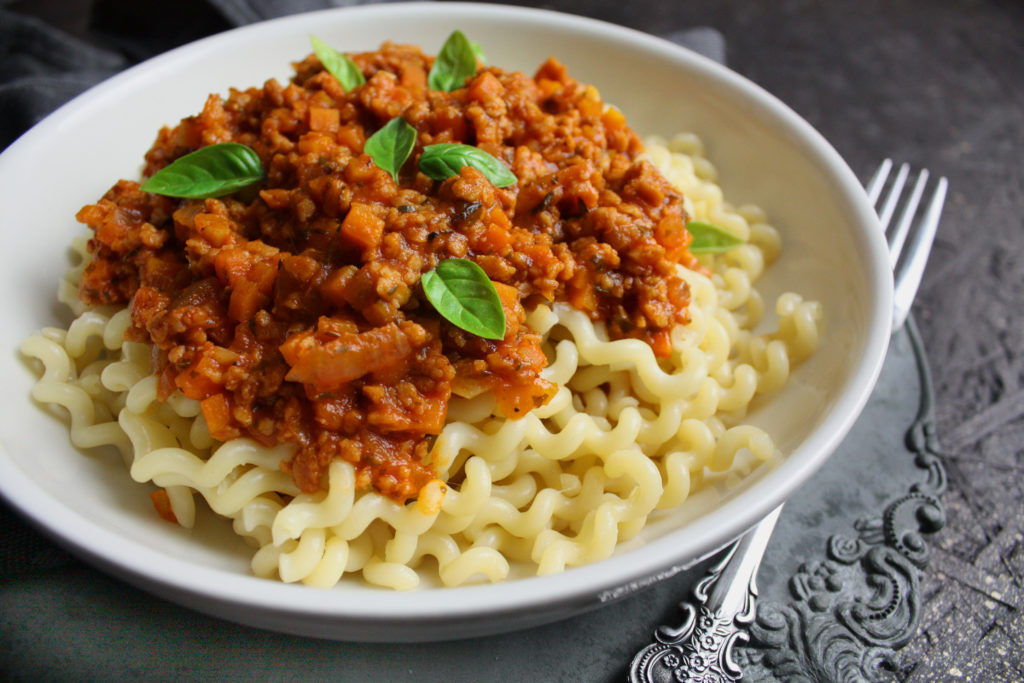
(939, 84)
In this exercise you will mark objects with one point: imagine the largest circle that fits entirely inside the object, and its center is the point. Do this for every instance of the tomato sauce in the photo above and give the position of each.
(292, 311)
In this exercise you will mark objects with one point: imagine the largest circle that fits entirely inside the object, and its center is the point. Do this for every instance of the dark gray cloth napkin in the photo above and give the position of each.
(42, 67)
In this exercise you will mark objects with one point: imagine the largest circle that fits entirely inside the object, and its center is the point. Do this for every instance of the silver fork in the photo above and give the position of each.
(701, 648)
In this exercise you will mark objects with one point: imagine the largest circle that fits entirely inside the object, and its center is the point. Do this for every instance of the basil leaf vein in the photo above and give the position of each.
(212, 171)
(446, 159)
(454, 63)
(711, 239)
(464, 295)
(391, 145)
(337, 64)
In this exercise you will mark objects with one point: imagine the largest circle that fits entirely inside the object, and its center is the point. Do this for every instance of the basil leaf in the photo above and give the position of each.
(447, 158)
(337, 64)
(454, 64)
(391, 145)
(711, 239)
(478, 51)
(212, 171)
(462, 293)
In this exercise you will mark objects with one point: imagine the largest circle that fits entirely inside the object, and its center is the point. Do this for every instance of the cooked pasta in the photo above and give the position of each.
(627, 433)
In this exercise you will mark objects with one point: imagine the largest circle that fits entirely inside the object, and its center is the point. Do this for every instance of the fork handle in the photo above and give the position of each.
(701, 647)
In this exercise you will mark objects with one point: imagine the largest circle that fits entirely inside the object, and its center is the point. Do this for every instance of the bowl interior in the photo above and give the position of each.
(765, 155)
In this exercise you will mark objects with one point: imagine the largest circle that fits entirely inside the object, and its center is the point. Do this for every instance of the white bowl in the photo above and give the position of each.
(765, 153)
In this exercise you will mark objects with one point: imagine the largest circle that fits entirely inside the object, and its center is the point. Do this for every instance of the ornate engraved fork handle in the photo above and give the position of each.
(700, 649)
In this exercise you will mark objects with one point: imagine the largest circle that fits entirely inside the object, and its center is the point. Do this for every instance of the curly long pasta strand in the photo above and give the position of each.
(57, 386)
(798, 324)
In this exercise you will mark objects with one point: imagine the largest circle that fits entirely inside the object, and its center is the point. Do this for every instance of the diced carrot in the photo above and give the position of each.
(613, 119)
(114, 227)
(162, 504)
(509, 297)
(590, 104)
(497, 218)
(202, 378)
(334, 287)
(217, 411)
(316, 143)
(322, 99)
(661, 342)
(552, 70)
(263, 273)
(514, 400)
(496, 239)
(245, 300)
(672, 234)
(351, 135)
(276, 198)
(362, 226)
(549, 87)
(231, 264)
(262, 249)
(161, 269)
(485, 87)
(214, 229)
(195, 384)
(148, 302)
(323, 120)
(580, 292)
(362, 170)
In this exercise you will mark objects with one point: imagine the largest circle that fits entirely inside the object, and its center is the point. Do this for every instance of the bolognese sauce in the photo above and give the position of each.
(292, 311)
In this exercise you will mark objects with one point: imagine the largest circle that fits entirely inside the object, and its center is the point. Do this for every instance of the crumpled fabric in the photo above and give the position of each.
(42, 67)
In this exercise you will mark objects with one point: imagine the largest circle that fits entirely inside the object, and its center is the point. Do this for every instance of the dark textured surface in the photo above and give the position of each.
(940, 85)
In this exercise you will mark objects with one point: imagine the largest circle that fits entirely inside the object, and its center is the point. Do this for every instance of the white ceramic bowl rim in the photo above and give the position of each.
(152, 570)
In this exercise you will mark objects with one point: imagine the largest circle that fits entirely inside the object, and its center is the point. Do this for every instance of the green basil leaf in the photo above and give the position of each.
(711, 239)
(462, 293)
(447, 158)
(337, 64)
(478, 51)
(454, 64)
(212, 171)
(391, 145)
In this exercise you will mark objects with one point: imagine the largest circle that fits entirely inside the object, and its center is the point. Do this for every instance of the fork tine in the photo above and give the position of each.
(874, 186)
(899, 235)
(889, 206)
(908, 276)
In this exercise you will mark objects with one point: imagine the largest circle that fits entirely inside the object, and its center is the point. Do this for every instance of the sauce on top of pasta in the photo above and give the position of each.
(293, 310)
